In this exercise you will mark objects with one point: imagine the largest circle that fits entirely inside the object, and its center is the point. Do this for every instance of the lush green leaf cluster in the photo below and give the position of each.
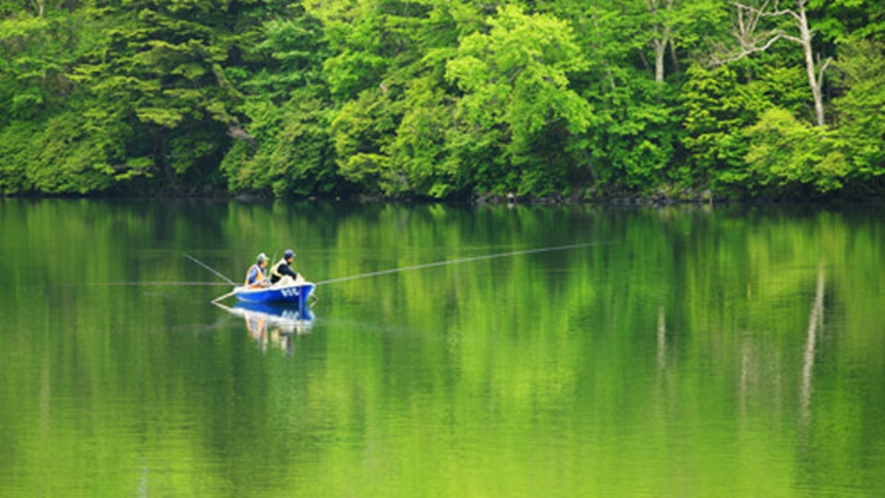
(433, 99)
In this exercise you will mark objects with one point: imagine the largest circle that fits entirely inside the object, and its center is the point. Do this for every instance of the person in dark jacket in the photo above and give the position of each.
(284, 269)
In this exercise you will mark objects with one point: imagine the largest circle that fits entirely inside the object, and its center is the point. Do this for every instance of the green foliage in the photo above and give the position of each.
(421, 147)
(521, 67)
(432, 99)
(785, 152)
(16, 151)
(290, 153)
(285, 149)
(361, 128)
(632, 146)
(139, 87)
(717, 109)
(63, 155)
(361, 43)
(293, 53)
(862, 126)
(516, 78)
(35, 53)
(850, 19)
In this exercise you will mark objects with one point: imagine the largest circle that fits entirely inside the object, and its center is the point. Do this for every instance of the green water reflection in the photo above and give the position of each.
(686, 352)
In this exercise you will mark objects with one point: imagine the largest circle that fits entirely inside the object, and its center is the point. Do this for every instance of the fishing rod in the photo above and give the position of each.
(457, 261)
(167, 283)
(204, 265)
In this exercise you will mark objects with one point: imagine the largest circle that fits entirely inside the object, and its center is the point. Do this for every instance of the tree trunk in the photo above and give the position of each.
(662, 35)
(813, 81)
(660, 46)
(747, 34)
(673, 58)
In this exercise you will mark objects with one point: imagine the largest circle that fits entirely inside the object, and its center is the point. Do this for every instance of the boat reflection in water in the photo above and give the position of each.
(275, 324)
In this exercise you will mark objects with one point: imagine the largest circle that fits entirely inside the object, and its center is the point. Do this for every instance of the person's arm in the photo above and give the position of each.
(289, 271)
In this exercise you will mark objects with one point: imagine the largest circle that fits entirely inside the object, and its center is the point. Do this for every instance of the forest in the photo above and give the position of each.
(571, 100)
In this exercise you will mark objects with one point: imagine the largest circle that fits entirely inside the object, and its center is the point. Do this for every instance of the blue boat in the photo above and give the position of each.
(296, 293)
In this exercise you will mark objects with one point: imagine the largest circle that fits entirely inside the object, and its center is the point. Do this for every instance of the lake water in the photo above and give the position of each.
(682, 352)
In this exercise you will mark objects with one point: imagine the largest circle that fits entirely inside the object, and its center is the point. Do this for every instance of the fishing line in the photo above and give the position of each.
(204, 265)
(352, 277)
(158, 284)
(457, 261)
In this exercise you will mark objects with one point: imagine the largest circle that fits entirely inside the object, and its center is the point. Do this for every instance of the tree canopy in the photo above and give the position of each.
(442, 99)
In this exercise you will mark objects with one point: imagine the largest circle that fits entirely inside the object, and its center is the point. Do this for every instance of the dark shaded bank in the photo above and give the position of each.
(659, 198)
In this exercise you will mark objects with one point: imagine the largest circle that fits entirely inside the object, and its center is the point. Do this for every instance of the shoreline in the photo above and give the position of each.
(656, 199)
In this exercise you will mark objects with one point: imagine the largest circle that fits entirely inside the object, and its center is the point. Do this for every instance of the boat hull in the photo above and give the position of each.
(292, 294)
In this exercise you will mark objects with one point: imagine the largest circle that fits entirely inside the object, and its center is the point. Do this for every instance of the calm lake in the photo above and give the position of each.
(725, 351)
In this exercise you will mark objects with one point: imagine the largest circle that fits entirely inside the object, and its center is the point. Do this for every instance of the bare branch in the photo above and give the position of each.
(749, 14)
(716, 60)
(747, 24)
(784, 12)
(762, 11)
